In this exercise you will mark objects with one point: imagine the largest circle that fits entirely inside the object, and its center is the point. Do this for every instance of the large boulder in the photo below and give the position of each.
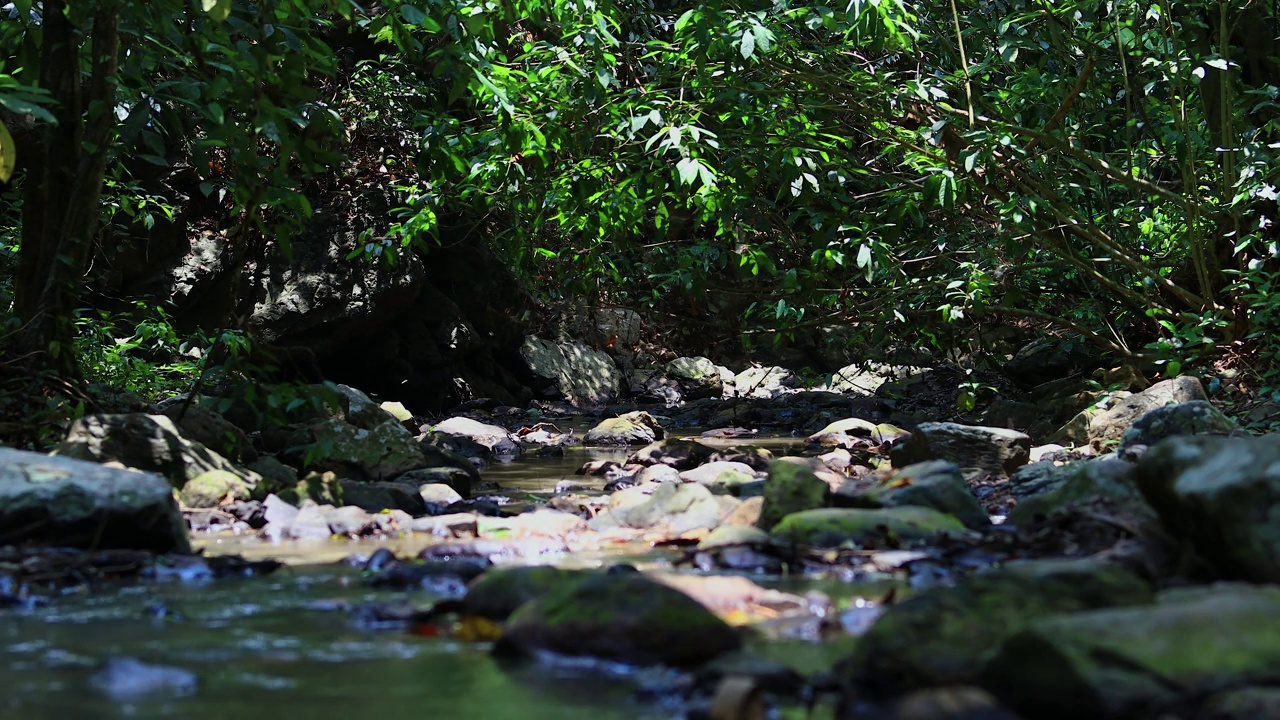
(1136, 661)
(1223, 495)
(633, 428)
(937, 484)
(1087, 483)
(621, 617)
(386, 451)
(865, 378)
(673, 508)
(1108, 426)
(362, 411)
(1196, 417)
(679, 454)
(582, 375)
(495, 438)
(790, 488)
(146, 442)
(884, 527)
(697, 377)
(63, 501)
(764, 382)
(213, 431)
(944, 636)
(981, 452)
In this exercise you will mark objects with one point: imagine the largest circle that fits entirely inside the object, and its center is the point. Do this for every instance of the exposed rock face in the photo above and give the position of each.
(623, 617)
(1110, 424)
(146, 442)
(63, 501)
(1196, 417)
(1223, 495)
(980, 452)
(579, 374)
(1129, 662)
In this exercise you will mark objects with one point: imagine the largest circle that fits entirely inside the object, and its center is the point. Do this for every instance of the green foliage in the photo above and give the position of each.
(145, 356)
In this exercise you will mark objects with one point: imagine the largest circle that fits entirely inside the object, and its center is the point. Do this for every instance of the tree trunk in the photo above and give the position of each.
(60, 206)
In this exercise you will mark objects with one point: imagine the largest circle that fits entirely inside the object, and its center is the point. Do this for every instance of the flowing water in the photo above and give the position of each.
(297, 643)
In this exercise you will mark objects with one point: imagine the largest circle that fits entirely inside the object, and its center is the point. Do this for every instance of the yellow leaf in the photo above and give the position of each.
(8, 154)
(478, 629)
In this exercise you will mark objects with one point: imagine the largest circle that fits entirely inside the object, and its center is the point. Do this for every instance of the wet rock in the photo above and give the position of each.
(981, 452)
(379, 496)
(620, 617)
(790, 488)
(499, 592)
(842, 433)
(1109, 425)
(150, 443)
(720, 475)
(739, 547)
(672, 508)
(885, 527)
(494, 437)
(1196, 417)
(349, 521)
(68, 502)
(459, 450)
(449, 578)
(944, 636)
(1222, 495)
(127, 679)
(456, 478)
(362, 411)
(582, 375)
(1132, 662)
(764, 382)
(697, 377)
(1082, 483)
(213, 431)
(937, 484)
(210, 488)
(679, 454)
(382, 453)
(441, 494)
(634, 428)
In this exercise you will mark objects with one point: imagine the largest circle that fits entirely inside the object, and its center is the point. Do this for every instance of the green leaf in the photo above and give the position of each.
(219, 10)
(684, 20)
(688, 170)
(8, 154)
(748, 45)
(412, 14)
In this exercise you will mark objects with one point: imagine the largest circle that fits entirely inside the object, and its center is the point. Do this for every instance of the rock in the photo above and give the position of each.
(1222, 495)
(362, 411)
(764, 382)
(866, 378)
(657, 474)
(67, 502)
(494, 437)
(349, 521)
(500, 591)
(981, 452)
(311, 522)
(386, 451)
(129, 680)
(1049, 359)
(457, 478)
(720, 475)
(150, 443)
(697, 377)
(441, 494)
(790, 488)
(672, 508)
(679, 454)
(957, 702)
(1040, 478)
(1251, 703)
(1130, 662)
(397, 411)
(323, 488)
(886, 527)
(937, 484)
(1086, 482)
(210, 488)
(634, 428)
(213, 431)
(620, 617)
(1110, 425)
(378, 496)
(945, 635)
(1196, 417)
(582, 375)
(276, 476)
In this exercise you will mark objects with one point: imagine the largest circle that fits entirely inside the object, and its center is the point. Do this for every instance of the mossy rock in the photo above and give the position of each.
(790, 488)
(619, 617)
(210, 488)
(497, 593)
(884, 527)
(937, 484)
(321, 488)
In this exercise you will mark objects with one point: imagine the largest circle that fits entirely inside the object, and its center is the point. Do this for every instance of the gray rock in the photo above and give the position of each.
(981, 452)
(673, 508)
(210, 488)
(457, 479)
(622, 617)
(441, 494)
(720, 475)
(1085, 483)
(790, 488)
(1196, 417)
(1110, 425)
(679, 454)
(276, 476)
(1222, 495)
(382, 453)
(866, 528)
(63, 501)
(213, 431)
(1129, 662)
(378, 496)
(350, 521)
(865, 378)
(129, 680)
(633, 428)
(945, 635)
(1044, 477)
(150, 443)
(583, 376)
(937, 484)
(697, 377)
(764, 382)
(496, 438)
(362, 411)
